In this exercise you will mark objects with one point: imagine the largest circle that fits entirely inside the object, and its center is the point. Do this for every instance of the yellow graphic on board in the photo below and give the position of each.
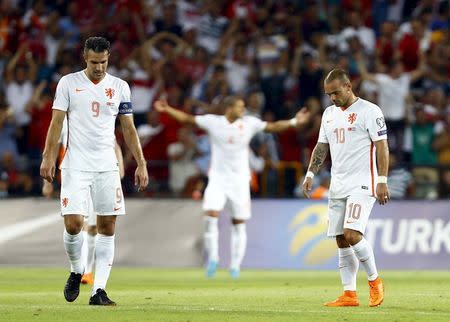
(310, 226)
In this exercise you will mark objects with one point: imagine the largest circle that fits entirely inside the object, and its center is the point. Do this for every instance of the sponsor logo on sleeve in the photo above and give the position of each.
(125, 108)
(382, 132)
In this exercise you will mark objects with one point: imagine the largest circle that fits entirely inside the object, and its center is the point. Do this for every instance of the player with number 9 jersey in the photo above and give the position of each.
(91, 115)
(91, 100)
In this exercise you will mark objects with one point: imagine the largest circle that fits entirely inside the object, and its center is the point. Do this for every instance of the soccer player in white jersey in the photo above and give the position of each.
(90, 227)
(354, 131)
(91, 99)
(229, 174)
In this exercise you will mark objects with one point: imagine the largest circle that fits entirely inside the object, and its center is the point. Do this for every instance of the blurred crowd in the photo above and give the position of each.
(274, 53)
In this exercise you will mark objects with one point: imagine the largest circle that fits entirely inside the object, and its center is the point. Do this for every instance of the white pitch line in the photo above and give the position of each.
(28, 226)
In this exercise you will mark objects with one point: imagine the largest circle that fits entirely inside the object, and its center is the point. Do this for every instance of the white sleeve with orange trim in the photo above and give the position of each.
(62, 100)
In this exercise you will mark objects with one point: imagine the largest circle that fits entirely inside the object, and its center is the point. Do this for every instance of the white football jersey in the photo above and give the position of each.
(230, 144)
(91, 114)
(350, 134)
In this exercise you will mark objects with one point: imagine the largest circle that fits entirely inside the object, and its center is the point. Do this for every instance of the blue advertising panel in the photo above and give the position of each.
(291, 234)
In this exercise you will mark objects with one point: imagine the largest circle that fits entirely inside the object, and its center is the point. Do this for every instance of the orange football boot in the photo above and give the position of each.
(348, 298)
(87, 278)
(376, 291)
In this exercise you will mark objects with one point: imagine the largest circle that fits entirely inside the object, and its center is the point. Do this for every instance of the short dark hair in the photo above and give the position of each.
(337, 73)
(229, 101)
(97, 44)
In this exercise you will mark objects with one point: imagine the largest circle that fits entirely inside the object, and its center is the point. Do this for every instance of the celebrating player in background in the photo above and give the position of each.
(229, 174)
(91, 99)
(350, 129)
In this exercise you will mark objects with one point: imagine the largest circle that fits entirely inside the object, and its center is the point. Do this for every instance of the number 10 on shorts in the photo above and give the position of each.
(353, 212)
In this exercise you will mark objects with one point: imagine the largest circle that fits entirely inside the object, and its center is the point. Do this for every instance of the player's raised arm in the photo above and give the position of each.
(382, 151)
(131, 138)
(300, 119)
(317, 158)
(182, 117)
(48, 165)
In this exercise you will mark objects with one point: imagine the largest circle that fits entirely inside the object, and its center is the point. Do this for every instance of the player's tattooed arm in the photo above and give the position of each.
(318, 156)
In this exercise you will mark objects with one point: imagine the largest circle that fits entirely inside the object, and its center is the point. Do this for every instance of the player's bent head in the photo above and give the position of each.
(97, 45)
(338, 87)
(96, 55)
(337, 74)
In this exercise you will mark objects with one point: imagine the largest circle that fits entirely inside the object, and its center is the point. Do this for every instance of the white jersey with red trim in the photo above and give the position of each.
(230, 145)
(91, 115)
(350, 134)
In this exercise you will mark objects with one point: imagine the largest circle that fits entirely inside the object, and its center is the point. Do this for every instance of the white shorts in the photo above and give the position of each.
(351, 212)
(235, 197)
(77, 188)
(92, 219)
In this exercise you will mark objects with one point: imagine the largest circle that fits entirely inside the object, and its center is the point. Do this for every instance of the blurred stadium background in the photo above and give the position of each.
(272, 53)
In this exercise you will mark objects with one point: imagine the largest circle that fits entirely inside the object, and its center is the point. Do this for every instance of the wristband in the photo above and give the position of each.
(382, 179)
(293, 122)
(309, 174)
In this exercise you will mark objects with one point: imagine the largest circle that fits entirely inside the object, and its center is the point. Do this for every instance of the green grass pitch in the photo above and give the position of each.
(30, 294)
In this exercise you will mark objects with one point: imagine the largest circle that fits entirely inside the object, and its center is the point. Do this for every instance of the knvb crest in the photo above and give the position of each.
(65, 202)
(109, 92)
(352, 118)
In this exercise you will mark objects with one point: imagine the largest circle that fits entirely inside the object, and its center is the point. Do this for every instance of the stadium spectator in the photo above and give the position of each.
(69, 24)
(40, 111)
(182, 155)
(211, 27)
(14, 180)
(19, 90)
(168, 21)
(154, 140)
(424, 157)
(393, 89)
(400, 180)
(356, 28)
(264, 145)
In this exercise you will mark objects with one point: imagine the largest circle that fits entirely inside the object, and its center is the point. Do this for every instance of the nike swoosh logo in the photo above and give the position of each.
(115, 209)
(78, 90)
